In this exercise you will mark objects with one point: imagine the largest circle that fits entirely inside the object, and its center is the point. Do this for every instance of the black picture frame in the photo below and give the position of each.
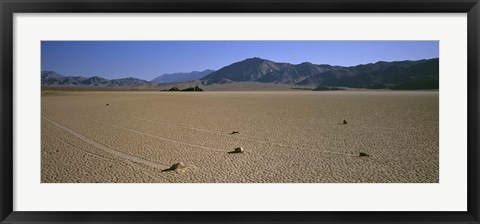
(9, 7)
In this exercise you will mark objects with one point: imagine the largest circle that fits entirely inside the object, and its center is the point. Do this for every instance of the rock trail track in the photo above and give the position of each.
(107, 149)
(113, 158)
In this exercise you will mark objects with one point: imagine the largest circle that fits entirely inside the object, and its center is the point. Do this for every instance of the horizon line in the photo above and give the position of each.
(50, 70)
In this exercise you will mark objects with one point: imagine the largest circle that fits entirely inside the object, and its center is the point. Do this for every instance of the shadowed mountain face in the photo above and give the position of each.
(422, 74)
(409, 75)
(180, 77)
(261, 70)
(247, 70)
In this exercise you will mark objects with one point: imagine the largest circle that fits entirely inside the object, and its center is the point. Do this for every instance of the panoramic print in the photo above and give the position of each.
(239, 111)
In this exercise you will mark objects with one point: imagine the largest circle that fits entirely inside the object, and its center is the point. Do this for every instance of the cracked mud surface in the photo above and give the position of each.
(288, 137)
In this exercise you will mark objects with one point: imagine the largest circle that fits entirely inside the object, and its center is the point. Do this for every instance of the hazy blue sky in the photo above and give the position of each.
(149, 59)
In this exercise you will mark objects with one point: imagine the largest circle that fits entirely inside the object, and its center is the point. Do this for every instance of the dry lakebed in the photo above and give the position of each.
(240, 137)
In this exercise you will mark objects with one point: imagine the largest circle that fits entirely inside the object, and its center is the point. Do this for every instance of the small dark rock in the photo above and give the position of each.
(344, 121)
(362, 154)
(234, 132)
(108, 104)
(239, 150)
(179, 167)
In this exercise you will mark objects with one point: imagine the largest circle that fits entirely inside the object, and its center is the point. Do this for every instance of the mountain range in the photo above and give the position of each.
(181, 76)
(51, 78)
(420, 74)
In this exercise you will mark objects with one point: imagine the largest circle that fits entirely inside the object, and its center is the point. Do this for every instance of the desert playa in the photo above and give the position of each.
(287, 137)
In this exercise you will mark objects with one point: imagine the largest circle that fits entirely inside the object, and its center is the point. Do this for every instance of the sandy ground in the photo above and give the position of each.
(287, 136)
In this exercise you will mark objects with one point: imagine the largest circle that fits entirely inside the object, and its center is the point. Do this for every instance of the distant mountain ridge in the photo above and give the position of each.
(421, 74)
(50, 78)
(409, 75)
(51, 75)
(181, 76)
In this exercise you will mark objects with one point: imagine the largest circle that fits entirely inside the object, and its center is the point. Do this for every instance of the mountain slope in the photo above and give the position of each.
(356, 74)
(294, 73)
(262, 70)
(130, 81)
(381, 75)
(181, 76)
(413, 74)
(249, 69)
(51, 75)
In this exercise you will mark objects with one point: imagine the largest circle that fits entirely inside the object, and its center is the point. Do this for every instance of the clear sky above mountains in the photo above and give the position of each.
(150, 59)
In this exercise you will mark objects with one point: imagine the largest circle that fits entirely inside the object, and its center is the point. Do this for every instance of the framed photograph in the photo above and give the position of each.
(239, 111)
